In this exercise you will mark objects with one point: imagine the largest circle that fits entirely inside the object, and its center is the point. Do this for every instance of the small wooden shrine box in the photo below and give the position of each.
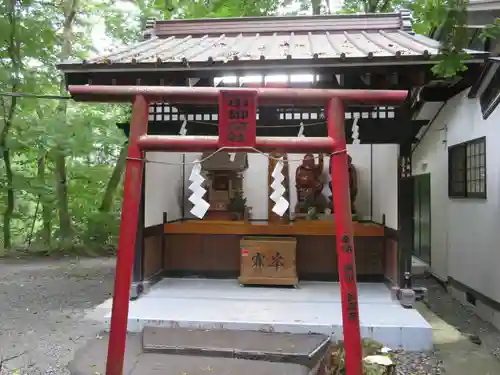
(268, 261)
(225, 181)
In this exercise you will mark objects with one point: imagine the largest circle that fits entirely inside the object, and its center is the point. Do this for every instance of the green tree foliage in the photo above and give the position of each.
(371, 6)
(62, 162)
(448, 15)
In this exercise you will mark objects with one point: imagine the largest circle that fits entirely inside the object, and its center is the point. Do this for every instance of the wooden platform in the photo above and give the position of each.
(212, 248)
(260, 228)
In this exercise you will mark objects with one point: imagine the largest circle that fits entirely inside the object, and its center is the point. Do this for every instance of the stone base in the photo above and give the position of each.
(136, 290)
(313, 307)
(91, 360)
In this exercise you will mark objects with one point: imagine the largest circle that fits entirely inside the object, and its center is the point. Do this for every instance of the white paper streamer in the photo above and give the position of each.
(301, 130)
(200, 206)
(281, 204)
(183, 130)
(355, 131)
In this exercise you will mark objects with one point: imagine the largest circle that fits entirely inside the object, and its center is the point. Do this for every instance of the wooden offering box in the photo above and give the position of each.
(268, 261)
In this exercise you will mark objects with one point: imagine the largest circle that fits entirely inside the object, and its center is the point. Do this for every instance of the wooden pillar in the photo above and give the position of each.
(405, 209)
(271, 216)
(137, 286)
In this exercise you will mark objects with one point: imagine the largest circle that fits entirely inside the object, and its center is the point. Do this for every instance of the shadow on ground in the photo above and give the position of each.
(463, 342)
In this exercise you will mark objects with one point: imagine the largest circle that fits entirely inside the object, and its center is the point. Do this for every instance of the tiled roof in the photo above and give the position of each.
(190, 43)
(274, 47)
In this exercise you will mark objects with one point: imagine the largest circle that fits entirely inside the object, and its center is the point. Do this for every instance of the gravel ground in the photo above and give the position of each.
(416, 363)
(41, 308)
(419, 363)
(454, 313)
(42, 305)
(462, 317)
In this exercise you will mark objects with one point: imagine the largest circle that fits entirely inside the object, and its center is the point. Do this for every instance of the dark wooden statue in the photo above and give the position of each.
(309, 185)
(353, 184)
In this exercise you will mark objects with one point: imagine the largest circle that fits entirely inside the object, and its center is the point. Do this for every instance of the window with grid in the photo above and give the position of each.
(467, 169)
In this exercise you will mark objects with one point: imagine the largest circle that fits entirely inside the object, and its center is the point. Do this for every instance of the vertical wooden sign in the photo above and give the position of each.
(237, 118)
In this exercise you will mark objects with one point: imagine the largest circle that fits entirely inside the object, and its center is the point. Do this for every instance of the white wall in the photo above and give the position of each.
(385, 184)
(163, 187)
(255, 185)
(384, 181)
(464, 237)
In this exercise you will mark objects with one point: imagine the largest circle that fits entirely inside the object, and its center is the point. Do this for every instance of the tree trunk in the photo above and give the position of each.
(70, 10)
(114, 181)
(376, 6)
(62, 196)
(13, 52)
(9, 176)
(9, 208)
(316, 7)
(46, 212)
(328, 7)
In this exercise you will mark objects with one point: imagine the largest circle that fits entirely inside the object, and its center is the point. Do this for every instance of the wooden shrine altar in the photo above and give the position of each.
(209, 248)
(229, 243)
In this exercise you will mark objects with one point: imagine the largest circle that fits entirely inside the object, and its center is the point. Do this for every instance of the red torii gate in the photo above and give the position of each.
(237, 131)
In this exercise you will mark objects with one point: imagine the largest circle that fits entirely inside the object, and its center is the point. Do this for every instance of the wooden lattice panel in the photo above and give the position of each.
(165, 112)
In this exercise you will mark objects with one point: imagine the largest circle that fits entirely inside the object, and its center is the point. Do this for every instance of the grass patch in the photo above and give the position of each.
(58, 252)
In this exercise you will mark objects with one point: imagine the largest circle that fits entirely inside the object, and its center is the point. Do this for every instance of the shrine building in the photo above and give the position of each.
(266, 216)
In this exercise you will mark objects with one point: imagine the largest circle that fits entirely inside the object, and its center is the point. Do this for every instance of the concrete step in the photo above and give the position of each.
(166, 364)
(302, 349)
(91, 360)
(418, 267)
